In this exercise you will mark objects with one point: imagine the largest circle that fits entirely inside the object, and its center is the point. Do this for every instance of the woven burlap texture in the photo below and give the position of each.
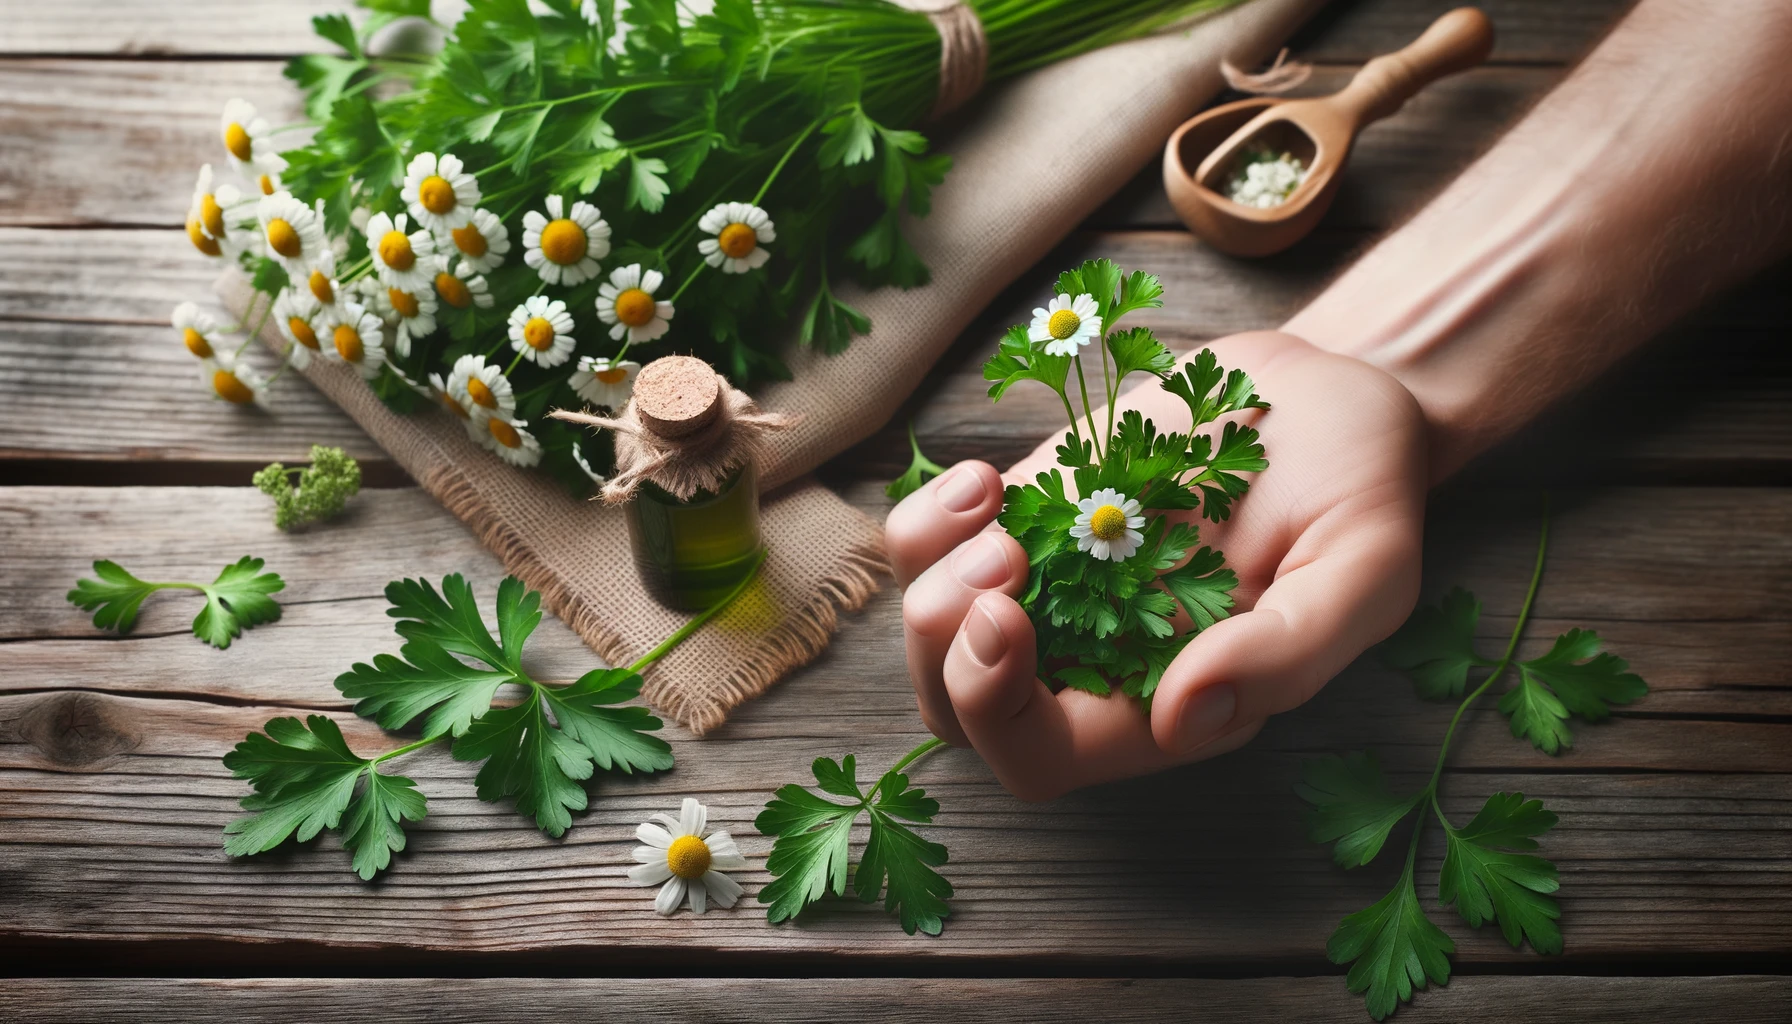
(1032, 158)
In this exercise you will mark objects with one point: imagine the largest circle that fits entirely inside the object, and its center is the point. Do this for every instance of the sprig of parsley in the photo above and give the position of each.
(1489, 872)
(322, 488)
(920, 470)
(810, 856)
(237, 600)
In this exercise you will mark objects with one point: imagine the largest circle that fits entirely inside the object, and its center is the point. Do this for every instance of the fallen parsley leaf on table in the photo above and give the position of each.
(237, 600)
(920, 470)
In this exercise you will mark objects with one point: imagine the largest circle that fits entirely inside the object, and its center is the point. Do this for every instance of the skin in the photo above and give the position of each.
(1612, 209)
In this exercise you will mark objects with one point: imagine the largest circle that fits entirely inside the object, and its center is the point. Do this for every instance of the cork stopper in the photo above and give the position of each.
(676, 396)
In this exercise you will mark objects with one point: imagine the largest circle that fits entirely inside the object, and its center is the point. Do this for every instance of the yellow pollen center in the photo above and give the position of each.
(283, 239)
(1108, 522)
(196, 343)
(563, 242)
(738, 241)
(614, 375)
(635, 308)
(348, 343)
(539, 334)
(212, 215)
(1063, 324)
(402, 301)
(201, 241)
(267, 185)
(436, 195)
(301, 330)
(236, 139)
(453, 290)
(480, 394)
(469, 240)
(504, 433)
(321, 287)
(230, 389)
(688, 857)
(395, 250)
(451, 405)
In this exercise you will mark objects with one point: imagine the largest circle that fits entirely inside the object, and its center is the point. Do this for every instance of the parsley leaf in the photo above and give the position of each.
(1436, 646)
(237, 600)
(1574, 677)
(1017, 359)
(920, 470)
(1486, 880)
(1351, 805)
(1392, 949)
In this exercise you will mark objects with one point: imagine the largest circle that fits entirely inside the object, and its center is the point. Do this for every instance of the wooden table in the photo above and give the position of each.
(1191, 893)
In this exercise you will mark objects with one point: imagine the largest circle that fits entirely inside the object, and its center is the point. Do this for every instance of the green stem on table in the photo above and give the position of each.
(408, 747)
(1088, 413)
(909, 758)
(695, 624)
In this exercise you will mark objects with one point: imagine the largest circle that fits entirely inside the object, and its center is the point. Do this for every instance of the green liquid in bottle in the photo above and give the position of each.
(692, 553)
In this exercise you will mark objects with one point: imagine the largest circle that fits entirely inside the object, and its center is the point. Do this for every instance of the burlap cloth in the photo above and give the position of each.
(1031, 159)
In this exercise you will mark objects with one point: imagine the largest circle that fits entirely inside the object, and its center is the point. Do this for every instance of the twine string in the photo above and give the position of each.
(964, 51)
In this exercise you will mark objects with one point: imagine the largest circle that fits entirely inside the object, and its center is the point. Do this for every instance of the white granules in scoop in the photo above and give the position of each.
(1264, 179)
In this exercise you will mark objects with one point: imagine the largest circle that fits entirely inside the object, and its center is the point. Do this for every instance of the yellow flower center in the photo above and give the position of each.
(539, 334)
(480, 394)
(230, 389)
(202, 242)
(563, 242)
(738, 240)
(196, 343)
(283, 239)
(453, 290)
(688, 857)
(1063, 324)
(211, 215)
(402, 301)
(236, 139)
(614, 375)
(452, 406)
(395, 250)
(469, 240)
(436, 195)
(1108, 522)
(267, 184)
(302, 332)
(504, 433)
(348, 343)
(635, 308)
(321, 287)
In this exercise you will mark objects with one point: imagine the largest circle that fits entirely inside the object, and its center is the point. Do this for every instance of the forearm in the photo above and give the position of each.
(1658, 173)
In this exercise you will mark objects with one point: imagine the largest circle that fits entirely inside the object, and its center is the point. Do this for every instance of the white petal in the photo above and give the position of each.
(653, 836)
(533, 222)
(650, 874)
(1038, 332)
(648, 854)
(757, 258)
(650, 281)
(722, 889)
(698, 894)
(692, 816)
(671, 894)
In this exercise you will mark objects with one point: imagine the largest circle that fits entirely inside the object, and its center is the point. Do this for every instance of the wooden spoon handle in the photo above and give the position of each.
(1455, 42)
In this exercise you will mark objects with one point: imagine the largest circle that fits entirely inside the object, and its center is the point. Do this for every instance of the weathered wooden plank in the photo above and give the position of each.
(1733, 999)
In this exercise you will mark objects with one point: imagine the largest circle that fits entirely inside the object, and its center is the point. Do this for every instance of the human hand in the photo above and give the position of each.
(1326, 546)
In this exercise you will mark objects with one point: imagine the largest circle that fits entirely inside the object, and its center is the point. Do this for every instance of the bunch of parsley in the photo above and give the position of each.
(1101, 622)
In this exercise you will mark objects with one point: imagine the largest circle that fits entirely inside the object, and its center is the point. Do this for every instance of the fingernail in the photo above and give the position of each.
(983, 637)
(981, 564)
(1206, 715)
(962, 490)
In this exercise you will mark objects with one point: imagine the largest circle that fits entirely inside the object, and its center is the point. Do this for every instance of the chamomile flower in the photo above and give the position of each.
(268, 182)
(1107, 525)
(564, 246)
(198, 331)
(689, 863)
(232, 380)
(247, 139)
(482, 241)
(605, 382)
(541, 329)
(404, 259)
(464, 287)
(355, 336)
(321, 281)
(293, 231)
(439, 192)
(511, 440)
(480, 388)
(295, 313)
(626, 301)
(437, 390)
(741, 232)
(411, 313)
(209, 223)
(1065, 325)
(578, 456)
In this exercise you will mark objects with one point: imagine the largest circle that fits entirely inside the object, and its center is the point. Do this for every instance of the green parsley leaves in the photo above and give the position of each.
(920, 470)
(320, 491)
(237, 600)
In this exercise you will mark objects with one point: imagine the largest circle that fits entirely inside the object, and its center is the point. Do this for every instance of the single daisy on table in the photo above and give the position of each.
(439, 192)
(687, 862)
(741, 232)
(482, 241)
(481, 388)
(198, 331)
(578, 456)
(605, 382)
(541, 329)
(404, 259)
(626, 301)
(1065, 325)
(295, 313)
(564, 246)
(293, 231)
(413, 315)
(1107, 525)
(232, 380)
(247, 140)
(356, 338)
(464, 287)
(208, 216)
(511, 440)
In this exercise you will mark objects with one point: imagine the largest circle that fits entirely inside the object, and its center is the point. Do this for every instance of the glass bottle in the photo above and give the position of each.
(692, 553)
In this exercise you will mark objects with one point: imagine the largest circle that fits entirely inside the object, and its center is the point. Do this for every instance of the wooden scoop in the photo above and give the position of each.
(1317, 132)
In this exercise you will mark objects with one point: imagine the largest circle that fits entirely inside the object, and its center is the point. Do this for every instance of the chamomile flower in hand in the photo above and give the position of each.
(247, 138)
(481, 388)
(565, 245)
(356, 338)
(1108, 524)
(541, 329)
(626, 300)
(605, 382)
(482, 241)
(511, 440)
(1065, 325)
(413, 315)
(198, 331)
(439, 192)
(293, 232)
(464, 288)
(295, 314)
(404, 259)
(686, 864)
(232, 379)
(741, 232)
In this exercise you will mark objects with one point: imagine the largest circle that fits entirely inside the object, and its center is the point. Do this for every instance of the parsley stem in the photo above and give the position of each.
(1087, 412)
(919, 752)
(779, 166)
(408, 747)
(695, 624)
(1068, 411)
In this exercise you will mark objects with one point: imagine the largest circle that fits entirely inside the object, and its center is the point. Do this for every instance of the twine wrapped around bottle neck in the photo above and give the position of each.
(686, 430)
(964, 51)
